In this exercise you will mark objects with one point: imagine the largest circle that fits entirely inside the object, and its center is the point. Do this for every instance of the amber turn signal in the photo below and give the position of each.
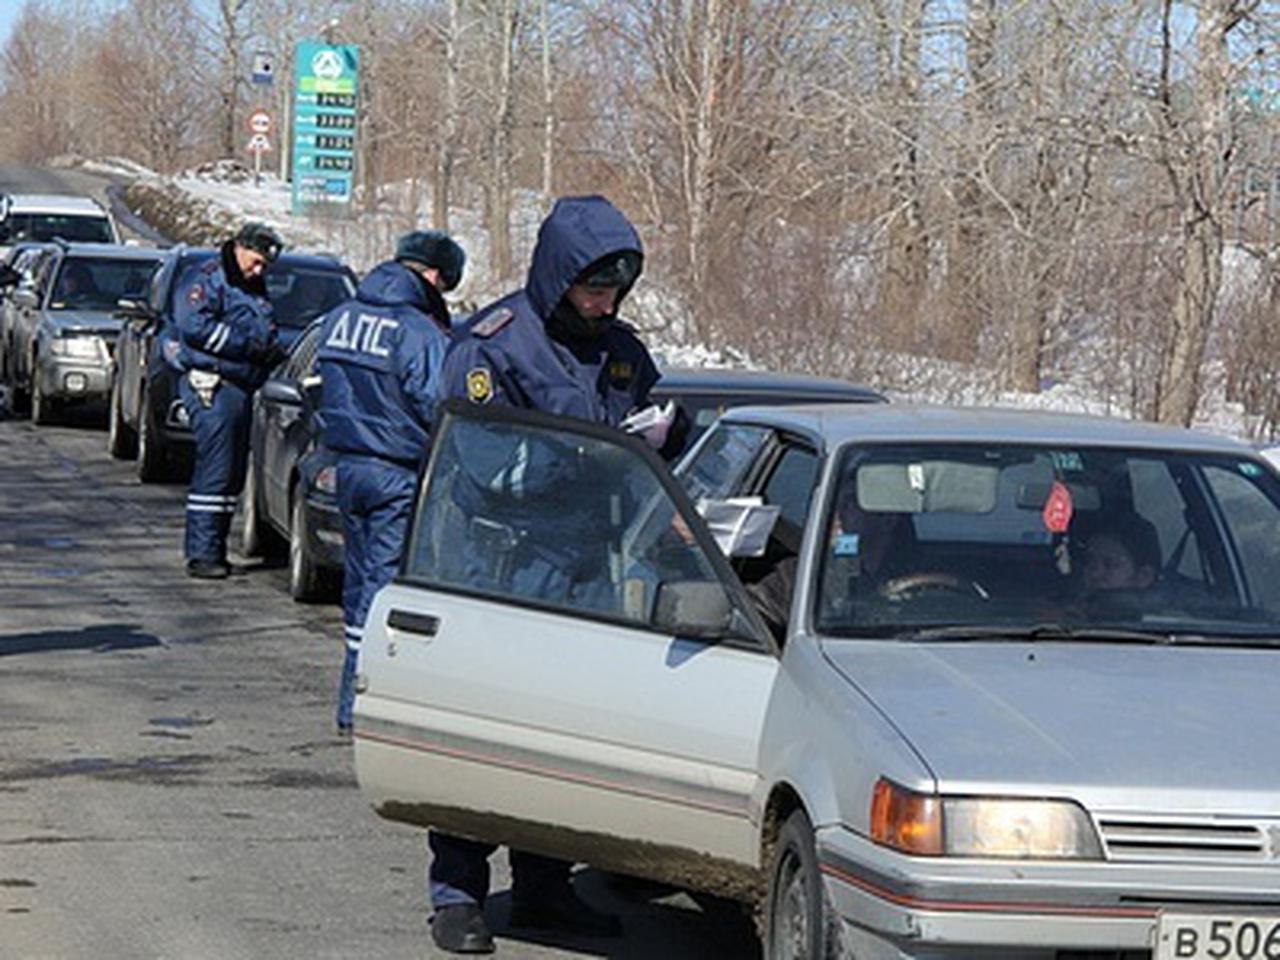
(906, 820)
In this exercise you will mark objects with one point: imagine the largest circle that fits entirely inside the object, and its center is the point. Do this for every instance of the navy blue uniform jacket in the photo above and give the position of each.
(222, 322)
(380, 358)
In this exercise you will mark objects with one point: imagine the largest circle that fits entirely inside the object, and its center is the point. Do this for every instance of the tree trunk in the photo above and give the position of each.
(1202, 177)
(442, 189)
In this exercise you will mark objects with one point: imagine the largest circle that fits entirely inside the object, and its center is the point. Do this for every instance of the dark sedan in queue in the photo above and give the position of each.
(289, 492)
(147, 419)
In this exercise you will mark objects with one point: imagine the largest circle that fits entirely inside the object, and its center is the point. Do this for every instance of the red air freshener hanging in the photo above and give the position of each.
(1058, 509)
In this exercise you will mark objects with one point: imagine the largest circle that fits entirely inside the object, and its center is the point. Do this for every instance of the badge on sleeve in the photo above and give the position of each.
(621, 373)
(479, 385)
(195, 296)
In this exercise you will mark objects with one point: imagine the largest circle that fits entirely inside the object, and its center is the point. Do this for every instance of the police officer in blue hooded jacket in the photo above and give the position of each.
(380, 357)
(224, 342)
(556, 346)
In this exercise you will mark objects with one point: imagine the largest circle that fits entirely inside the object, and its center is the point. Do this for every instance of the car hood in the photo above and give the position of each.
(101, 322)
(1117, 726)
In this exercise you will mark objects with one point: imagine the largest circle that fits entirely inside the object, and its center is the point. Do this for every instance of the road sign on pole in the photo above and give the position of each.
(326, 87)
(264, 67)
(260, 122)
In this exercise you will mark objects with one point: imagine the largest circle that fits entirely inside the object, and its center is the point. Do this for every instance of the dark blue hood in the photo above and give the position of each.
(392, 284)
(579, 231)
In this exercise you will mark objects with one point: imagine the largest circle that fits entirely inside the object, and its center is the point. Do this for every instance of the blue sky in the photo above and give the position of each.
(9, 10)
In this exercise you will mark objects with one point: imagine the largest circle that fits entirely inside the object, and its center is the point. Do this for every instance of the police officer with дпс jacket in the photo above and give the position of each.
(380, 356)
(223, 340)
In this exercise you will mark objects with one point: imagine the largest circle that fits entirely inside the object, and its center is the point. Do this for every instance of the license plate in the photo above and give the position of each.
(1202, 936)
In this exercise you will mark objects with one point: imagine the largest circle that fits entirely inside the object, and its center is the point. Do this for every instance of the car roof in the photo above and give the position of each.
(294, 259)
(109, 251)
(762, 382)
(831, 425)
(50, 203)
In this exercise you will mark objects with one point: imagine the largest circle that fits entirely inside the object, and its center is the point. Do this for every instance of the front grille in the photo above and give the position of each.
(1208, 840)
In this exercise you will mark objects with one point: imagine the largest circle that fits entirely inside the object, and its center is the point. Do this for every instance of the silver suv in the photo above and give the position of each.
(64, 323)
(30, 216)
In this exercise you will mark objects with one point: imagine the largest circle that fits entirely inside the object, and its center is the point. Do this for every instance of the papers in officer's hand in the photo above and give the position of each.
(741, 525)
(651, 416)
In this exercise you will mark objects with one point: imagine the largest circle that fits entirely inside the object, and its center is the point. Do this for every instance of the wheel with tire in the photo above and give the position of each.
(257, 537)
(122, 441)
(306, 580)
(800, 924)
(153, 463)
(44, 409)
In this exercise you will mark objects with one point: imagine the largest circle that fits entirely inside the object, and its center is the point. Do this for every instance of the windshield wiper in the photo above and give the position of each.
(1048, 631)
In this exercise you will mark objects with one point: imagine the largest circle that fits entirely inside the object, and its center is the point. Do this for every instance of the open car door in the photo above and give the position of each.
(566, 663)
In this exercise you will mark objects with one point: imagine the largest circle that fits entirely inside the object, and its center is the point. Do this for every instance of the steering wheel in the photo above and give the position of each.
(908, 585)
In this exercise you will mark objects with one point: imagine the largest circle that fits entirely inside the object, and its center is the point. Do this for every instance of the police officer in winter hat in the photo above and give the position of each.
(380, 359)
(555, 345)
(224, 342)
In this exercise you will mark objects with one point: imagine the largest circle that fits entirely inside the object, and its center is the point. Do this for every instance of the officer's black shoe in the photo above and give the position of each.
(461, 929)
(208, 569)
(563, 910)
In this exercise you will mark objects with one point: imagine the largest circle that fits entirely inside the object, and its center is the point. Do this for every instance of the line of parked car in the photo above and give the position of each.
(98, 347)
(916, 682)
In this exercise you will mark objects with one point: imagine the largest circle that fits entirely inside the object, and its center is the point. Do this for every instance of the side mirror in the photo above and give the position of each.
(131, 309)
(693, 608)
(26, 297)
(281, 391)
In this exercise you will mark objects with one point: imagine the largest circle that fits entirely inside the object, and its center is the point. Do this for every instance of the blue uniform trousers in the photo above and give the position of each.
(375, 497)
(459, 871)
(222, 452)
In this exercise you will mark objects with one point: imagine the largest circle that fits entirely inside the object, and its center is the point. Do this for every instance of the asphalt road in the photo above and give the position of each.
(170, 785)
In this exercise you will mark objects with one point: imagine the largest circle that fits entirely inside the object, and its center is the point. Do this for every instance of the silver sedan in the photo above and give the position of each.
(920, 682)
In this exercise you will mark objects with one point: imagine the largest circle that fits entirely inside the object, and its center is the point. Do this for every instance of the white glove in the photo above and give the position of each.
(653, 423)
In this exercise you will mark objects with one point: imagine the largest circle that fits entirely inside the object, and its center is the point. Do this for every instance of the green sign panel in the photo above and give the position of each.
(325, 98)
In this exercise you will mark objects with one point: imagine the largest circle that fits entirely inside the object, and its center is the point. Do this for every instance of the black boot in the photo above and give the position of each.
(461, 929)
(208, 569)
(561, 909)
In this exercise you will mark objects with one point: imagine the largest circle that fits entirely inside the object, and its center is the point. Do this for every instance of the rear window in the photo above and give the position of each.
(73, 228)
(300, 294)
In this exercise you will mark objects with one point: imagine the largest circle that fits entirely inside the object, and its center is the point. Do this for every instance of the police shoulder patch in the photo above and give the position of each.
(195, 296)
(621, 372)
(479, 385)
(492, 323)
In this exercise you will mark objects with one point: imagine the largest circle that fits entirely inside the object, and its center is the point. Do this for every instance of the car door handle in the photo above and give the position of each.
(420, 623)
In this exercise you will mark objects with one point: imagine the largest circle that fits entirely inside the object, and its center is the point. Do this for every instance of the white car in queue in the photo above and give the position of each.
(1021, 702)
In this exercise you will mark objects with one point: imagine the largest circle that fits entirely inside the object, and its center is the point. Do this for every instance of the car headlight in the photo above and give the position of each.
(83, 348)
(996, 827)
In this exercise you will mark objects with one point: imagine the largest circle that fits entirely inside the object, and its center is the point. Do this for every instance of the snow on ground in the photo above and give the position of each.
(369, 236)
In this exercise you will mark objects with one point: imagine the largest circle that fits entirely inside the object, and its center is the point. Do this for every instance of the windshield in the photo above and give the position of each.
(300, 294)
(47, 226)
(928, 536)
(97, 283)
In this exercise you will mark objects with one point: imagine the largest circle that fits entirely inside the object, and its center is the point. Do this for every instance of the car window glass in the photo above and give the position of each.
(790, 485)
(1158, 497)
(1251, 516)
(948, 534)
(299, 294)
(98, 283)
(302, 359)
(561, 520)
(159, 282)
(719, 465)
(48, 226)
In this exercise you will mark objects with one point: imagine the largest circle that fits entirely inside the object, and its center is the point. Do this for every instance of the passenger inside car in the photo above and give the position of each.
(75, 284)
(1118, 553)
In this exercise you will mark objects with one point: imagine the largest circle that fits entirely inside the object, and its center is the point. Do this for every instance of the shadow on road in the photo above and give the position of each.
(102, 638)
